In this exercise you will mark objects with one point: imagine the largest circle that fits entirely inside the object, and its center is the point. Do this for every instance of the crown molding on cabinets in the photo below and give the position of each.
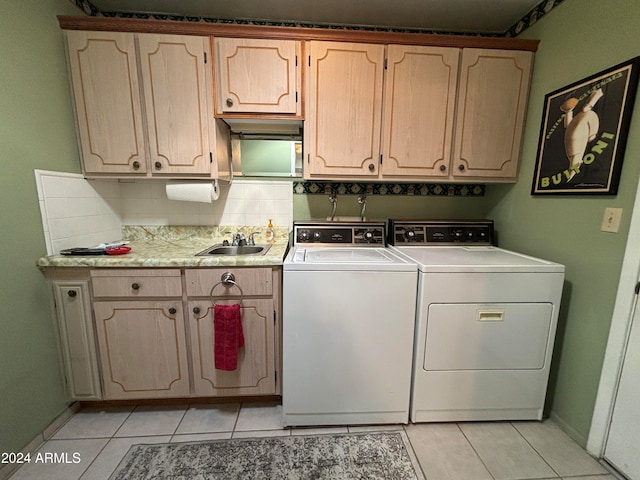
(294, 33)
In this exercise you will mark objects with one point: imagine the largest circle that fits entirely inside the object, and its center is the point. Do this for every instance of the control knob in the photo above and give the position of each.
(303, 236)
(317, 235)
(368, 236)
(410, 235)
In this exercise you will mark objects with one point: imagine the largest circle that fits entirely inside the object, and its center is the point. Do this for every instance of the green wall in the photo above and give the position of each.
(577, 39)
(36, 132)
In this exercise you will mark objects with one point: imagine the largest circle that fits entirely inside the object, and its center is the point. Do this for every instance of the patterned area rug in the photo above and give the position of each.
(380, 455)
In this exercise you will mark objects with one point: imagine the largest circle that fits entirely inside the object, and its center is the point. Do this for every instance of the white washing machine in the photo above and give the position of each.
(485, 323)
(348, 325)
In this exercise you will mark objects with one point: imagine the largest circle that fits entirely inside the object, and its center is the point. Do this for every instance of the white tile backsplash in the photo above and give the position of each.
(76, 212)
(79, 212)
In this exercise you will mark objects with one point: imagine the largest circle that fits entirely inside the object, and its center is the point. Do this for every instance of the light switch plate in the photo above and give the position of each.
(611, 220)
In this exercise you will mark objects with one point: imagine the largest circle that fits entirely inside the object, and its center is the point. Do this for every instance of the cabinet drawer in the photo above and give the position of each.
(252, 281)
(136, 283)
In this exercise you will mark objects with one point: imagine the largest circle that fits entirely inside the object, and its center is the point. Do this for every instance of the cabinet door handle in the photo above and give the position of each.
(135, 286)
(172, 311)
(461, 168)
(196, 310)
(229, 102)
(136, 165)
(72, 293)
(158, 165)
(372, 167)
(443, 168)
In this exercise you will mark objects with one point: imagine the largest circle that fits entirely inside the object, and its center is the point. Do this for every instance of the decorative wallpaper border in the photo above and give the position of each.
(410, 189)
(532, 17)
(529, 19)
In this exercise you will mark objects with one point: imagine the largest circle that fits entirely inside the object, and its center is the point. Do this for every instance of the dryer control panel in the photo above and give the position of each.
(440, 232)
(361, 234)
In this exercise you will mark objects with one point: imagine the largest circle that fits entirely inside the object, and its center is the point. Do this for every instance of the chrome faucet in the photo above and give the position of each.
(239, 240)
(251, 241)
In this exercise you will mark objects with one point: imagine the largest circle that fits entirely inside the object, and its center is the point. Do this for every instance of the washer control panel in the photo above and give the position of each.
(440, 232)
(339, 233)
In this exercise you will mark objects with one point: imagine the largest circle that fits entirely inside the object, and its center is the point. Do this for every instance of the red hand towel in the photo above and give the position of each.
(228, 336)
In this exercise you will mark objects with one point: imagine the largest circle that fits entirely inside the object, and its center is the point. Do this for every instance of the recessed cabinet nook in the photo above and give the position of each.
(156, 98)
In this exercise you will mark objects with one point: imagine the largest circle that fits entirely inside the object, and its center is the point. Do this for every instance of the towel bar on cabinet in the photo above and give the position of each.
(228, 280)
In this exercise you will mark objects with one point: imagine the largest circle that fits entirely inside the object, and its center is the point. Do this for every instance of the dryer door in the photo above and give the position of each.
(497, 336)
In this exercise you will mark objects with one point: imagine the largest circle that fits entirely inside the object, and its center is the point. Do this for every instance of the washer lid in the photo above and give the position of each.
(475, 259)
(346, 258)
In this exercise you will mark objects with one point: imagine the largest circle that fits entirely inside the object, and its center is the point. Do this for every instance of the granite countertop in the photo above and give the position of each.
(177, 246)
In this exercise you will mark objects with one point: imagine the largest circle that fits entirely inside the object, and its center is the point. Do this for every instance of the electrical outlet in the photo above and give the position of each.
(611, 220)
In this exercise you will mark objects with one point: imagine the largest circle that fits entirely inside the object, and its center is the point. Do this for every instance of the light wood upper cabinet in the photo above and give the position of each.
(144, 105)
(419, 109)
(257, 76)
(343, 110)
(177, 99)
(492, 100)
(106, 90)
(449, 114)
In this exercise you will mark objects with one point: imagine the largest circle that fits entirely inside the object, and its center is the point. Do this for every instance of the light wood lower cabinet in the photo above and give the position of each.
(255, 374)
(154, 332)
(143, 350)
(77, 341)
(258, 292)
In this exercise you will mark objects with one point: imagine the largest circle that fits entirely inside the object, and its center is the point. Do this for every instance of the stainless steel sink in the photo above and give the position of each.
(235, 250)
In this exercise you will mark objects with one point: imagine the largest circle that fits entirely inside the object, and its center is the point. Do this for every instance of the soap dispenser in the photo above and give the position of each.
(270, 234)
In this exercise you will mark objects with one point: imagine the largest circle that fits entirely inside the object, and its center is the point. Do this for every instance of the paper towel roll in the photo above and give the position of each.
(193, 191)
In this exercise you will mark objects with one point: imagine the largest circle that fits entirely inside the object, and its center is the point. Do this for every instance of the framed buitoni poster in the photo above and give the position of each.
(584, 133)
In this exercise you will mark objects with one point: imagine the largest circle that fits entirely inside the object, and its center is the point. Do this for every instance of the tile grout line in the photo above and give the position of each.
(184, 414)
(534, 449)
(475, 451)
(235, 424)
(105, 445)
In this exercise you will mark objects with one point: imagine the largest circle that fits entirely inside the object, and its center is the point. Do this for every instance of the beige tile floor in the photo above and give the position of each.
(460, 451)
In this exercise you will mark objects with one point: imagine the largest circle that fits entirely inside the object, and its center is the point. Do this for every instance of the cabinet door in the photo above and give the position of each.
(105, 87)
(494, 86)
(142, 349)
(77, 340)
(419, 106)
(344, 110)
(257, 76)
(255, 374)
(178, 101)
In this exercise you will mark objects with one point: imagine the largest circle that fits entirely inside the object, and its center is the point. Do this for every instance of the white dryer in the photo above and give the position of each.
(485, 323)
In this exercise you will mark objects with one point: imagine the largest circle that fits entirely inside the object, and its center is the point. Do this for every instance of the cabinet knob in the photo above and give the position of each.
(135, 286)
(443, 168)
(172, 311)
(72, 293)
(229, 102)
(461, 168)
(136, 165)
(372, 167)
(196, 310)
(158, 165)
